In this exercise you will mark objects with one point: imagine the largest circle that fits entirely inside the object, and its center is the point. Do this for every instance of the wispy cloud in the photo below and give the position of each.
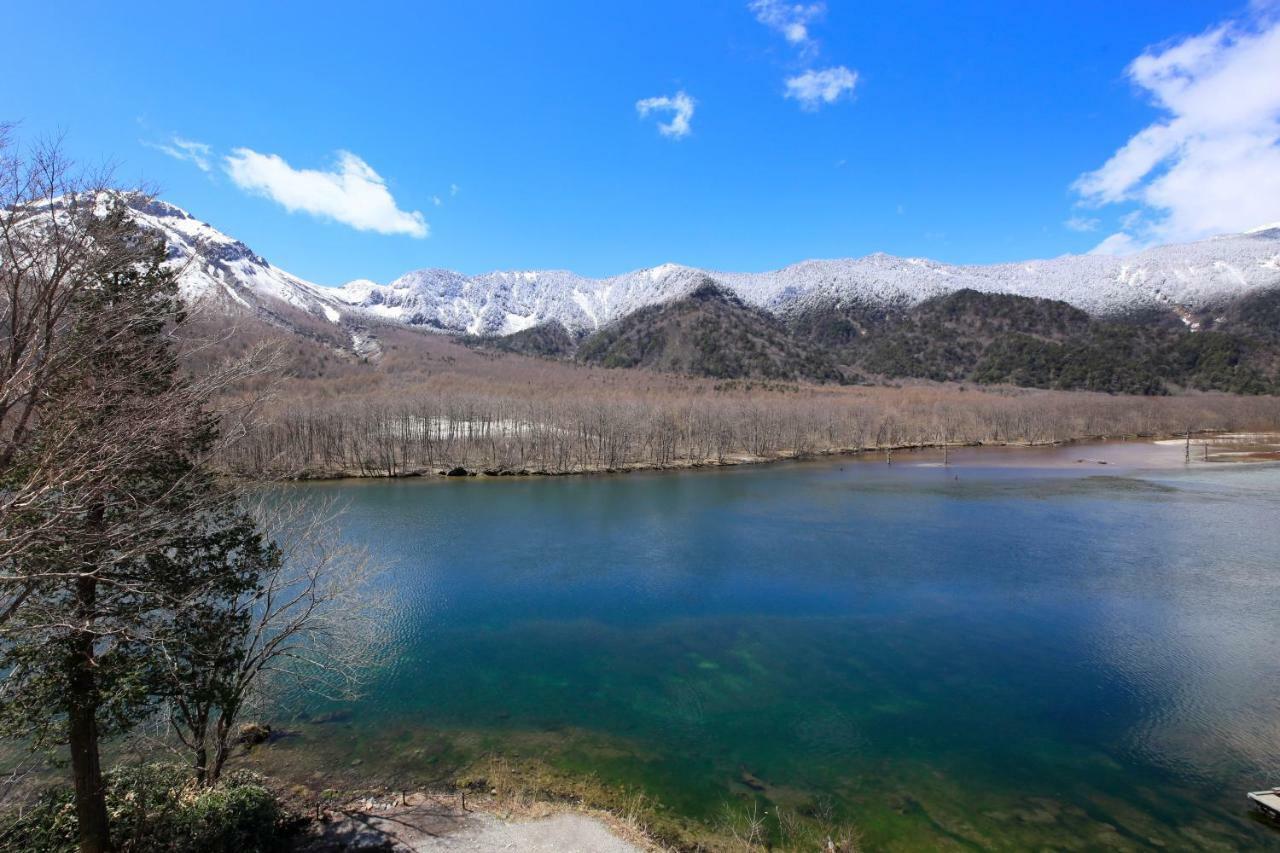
(1082, 223)
(681, 107)
(817, 88)
(1118, 243)
(792, 20)
(813, 88)
(351, 193)
(184, 149)
(1211, 163)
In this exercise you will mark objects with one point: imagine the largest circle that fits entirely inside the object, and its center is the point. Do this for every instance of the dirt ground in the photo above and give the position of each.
(425, 824)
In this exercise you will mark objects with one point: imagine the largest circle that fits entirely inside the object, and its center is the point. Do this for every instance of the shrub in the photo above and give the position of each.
(157, 808)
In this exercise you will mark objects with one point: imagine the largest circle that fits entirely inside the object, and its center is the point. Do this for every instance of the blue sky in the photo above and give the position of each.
(507, 135)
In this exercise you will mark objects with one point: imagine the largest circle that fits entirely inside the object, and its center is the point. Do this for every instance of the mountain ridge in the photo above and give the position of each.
(1187, 281)
(708, 332)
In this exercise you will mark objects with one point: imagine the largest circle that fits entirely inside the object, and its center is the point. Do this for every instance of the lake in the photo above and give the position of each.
(1024, 648)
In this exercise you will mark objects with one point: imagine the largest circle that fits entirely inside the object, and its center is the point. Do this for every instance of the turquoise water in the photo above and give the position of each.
(1017, 650)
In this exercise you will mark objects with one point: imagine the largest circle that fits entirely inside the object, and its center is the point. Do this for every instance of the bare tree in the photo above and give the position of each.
(304, 616)
(104, 450)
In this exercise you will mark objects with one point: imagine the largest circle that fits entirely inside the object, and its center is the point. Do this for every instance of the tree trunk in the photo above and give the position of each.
(82, 732)
(196, 725)
(221, 745)
(202, 765)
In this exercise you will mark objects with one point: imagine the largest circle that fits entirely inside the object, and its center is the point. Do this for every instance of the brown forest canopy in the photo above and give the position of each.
(511, 413)
(429, 403)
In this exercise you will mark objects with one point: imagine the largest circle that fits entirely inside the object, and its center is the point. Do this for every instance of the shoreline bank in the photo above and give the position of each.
(1266, 450)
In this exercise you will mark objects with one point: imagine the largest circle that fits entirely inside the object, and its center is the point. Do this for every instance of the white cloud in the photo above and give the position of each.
(814, 89)
(790, 19)
(436, 200)
(453, 189)
(352, 193)
(1118, 243)
(681, 107)
(1082, 223)
(1211, 163)
(186, 150)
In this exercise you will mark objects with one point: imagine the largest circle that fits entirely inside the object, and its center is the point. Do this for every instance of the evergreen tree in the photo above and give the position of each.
(111, 470)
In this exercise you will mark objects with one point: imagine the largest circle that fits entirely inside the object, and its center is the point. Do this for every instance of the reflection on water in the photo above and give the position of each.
(1017, 649)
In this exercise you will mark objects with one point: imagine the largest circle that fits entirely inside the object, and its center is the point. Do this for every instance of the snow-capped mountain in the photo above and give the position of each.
(1188, 279)
(505, 302)
(224, 271)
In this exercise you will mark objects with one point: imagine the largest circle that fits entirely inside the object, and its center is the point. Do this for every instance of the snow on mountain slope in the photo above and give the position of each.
(215, 267)
(1186, 279)
(1189, 276)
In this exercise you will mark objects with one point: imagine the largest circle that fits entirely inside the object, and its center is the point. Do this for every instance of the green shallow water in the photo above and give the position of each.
(1017, 651)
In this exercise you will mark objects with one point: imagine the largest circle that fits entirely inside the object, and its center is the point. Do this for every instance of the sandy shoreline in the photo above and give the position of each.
(426, 823)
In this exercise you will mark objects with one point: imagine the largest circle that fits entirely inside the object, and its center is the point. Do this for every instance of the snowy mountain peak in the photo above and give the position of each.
(662, 271)
(222, 272)
(1186, 279)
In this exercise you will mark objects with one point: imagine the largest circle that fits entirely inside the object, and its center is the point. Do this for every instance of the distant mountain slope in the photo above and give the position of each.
(944, 337)
(710, 332)
(1019, 340)
(215, 266)
(1188, 281)
(1115, 324)
(965, 336)
(1183, 281)
(548, 340)
(1255, 314)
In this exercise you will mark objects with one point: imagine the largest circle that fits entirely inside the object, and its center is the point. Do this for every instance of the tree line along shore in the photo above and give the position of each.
(552, 431)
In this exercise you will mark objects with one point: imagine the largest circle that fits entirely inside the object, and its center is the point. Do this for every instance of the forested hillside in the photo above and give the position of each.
(965, 336)
(711, 333)
(1041, 343)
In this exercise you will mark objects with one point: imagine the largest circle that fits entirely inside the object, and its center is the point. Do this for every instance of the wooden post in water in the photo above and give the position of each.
(1188, 453)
